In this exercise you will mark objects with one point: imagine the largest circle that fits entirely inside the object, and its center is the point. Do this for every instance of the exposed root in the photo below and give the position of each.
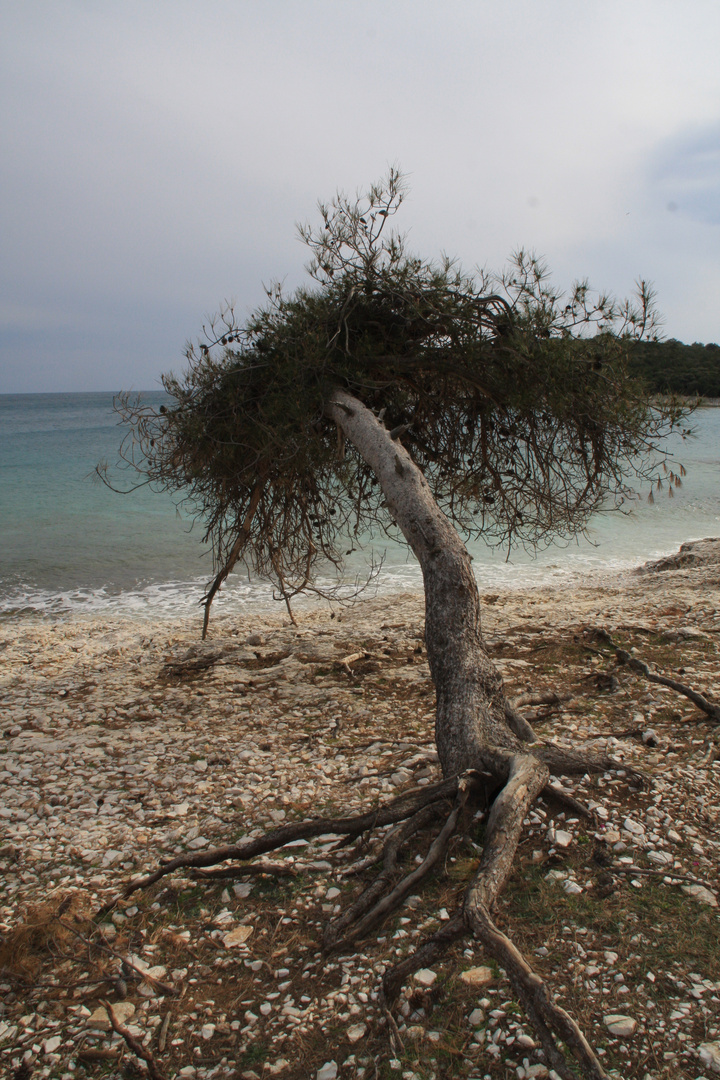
(554, 794)
(389, 814)
(371, 895)
(553, 1024)
(523, 776)
(546, 1015)
(432, 950)
(466, 785)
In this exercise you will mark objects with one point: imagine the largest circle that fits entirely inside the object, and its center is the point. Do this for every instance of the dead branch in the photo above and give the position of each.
(647, 872)
(624, 657)
(134, 1044)
(247, 869)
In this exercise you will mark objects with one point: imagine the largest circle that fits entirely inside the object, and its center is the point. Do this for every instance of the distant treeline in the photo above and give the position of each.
(671, 367)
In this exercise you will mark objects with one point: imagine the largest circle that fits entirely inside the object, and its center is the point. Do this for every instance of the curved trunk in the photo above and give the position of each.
(472, 714)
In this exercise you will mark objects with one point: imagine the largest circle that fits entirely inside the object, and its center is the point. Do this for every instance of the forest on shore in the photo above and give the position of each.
(675, 368)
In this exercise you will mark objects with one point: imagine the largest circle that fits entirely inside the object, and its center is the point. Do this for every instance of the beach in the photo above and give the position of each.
(129, 741)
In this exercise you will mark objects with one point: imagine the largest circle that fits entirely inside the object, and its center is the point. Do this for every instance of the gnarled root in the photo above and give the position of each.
(527, 778)
(523, 776)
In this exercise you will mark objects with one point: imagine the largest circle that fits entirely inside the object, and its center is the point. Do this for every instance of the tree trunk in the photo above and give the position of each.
(472, 715)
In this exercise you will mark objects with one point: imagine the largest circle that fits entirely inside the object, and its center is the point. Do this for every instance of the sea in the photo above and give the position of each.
(70, 546)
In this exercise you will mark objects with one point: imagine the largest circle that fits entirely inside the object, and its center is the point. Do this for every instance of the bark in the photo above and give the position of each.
(472, 712)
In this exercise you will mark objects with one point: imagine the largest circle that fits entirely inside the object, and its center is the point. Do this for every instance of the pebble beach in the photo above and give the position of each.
(125, 742)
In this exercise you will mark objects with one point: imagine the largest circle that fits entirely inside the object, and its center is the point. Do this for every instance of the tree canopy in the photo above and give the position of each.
(514, 399)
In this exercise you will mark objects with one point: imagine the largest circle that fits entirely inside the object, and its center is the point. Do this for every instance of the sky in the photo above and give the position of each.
(156, 157)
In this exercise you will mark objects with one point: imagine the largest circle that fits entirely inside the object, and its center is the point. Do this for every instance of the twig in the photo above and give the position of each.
(162, 1037)
(658, 873)
(166, 988)
(398, 1046)
(134, 1044)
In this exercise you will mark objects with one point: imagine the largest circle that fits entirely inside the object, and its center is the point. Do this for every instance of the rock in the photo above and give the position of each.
(661, 858)
(633, 827)
(618, 1024)
(425, 976)
(243, 890)
(476, 1018)
(101, 1021)
(572, 888)
(207, 1031)
(198, 842)
(650, 737)
(275, 1069)
(400, 777)
(328, 1071)
(701, 894)
(695, 553)
(332, 894)
(710, 1055)
(356, 1032)
(236, 937)
(477, 976)
(51, 1045)
(560, 838)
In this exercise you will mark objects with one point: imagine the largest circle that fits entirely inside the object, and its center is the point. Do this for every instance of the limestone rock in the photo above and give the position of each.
(236, 937)
(701, 894)
(710, 1055)
(101, 1021)
(477, 976)
(617, 1024)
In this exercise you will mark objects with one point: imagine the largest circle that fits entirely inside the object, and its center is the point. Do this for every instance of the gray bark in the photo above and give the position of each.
(472, 714)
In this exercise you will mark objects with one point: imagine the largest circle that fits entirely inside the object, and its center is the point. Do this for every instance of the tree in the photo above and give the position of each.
(399, 393)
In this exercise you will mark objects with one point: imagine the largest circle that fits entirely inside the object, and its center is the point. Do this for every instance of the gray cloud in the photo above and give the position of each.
(157, 156)
(687, 174)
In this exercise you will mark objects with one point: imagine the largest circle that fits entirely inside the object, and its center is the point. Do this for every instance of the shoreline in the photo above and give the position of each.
(529, 578)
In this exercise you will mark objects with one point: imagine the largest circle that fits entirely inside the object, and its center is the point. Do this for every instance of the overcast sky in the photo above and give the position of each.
(155, 156)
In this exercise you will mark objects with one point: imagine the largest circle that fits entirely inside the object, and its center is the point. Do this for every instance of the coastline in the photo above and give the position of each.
(128, 740)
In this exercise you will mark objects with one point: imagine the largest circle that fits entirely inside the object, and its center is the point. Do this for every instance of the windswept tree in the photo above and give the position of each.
(398, 393)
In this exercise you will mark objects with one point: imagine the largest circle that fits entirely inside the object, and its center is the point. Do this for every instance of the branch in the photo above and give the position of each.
(233, 557)
(135, 1045)
(624, 657)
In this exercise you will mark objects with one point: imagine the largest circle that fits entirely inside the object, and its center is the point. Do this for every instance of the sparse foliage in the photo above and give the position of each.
(513, 400)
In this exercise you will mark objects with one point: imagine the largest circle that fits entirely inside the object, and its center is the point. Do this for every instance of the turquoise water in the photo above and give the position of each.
(69, 544)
